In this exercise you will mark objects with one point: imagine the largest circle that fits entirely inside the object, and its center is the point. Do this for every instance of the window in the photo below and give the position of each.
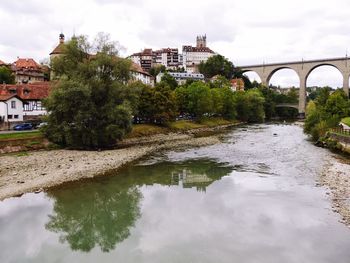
(16, 116)
(13, 104)
(9, 116)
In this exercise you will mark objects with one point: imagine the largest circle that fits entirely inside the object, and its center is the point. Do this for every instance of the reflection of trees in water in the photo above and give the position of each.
(94, 215)
(103, 212)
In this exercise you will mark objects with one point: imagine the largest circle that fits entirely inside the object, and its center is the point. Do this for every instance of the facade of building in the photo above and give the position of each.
(182, 77)
(237, 84)
(139, 74)
(26, 70)
(193, 56)
(168, 57)
(31, 96)
(11, 110)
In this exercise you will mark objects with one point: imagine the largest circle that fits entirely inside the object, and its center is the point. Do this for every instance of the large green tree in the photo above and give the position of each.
(216, 65)
(6, 76)
(88, 107)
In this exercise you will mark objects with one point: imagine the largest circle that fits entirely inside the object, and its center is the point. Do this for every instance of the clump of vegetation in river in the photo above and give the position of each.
(325, 112)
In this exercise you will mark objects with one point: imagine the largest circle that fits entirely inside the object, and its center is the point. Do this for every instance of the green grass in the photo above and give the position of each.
(212, 122)
(140, 130)
(184, 125)
(346, 121)
(21, 135)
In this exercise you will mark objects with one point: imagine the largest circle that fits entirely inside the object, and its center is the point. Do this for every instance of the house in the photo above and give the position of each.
(2, 63)
(31, 96)
(11, 110)
(193, 56)
(27, 70)
(237, 84)
(139, 74)
(182, 77)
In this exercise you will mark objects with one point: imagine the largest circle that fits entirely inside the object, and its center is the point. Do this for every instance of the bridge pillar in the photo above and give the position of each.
(302, 95)
(346, 83)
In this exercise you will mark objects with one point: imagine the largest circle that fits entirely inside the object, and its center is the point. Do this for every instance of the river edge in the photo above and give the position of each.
(336, 177)
(45, 169)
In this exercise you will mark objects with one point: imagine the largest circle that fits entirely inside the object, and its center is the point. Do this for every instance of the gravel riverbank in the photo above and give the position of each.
(337, 178)
(44, 169)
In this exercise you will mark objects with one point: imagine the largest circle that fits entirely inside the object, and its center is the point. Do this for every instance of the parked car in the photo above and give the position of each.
(23, 126)
(41, 124)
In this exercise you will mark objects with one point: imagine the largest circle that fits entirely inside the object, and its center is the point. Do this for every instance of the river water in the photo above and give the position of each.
(251, 198)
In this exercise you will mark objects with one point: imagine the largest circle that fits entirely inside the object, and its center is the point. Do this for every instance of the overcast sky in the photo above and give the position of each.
(245, 31)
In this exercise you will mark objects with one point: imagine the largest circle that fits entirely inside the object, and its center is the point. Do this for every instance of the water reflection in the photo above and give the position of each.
(89, 216)
(102, 213)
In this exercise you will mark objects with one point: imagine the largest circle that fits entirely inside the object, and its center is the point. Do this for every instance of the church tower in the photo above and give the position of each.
(201, 41)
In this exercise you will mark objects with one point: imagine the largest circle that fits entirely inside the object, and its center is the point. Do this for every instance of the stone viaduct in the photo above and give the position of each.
(303, 69)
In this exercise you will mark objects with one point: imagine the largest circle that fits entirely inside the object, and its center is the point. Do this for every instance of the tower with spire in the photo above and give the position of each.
(201, 41)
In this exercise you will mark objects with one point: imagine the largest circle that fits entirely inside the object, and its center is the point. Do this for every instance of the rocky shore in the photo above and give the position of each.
(43, 169)
(337, 178)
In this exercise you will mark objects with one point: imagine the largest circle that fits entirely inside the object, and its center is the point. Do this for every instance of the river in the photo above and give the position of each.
(252, 198)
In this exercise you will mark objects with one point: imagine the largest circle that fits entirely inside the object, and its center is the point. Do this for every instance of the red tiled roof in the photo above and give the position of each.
(35, 91)
(58, 49)
(6, 97)
(26, 63)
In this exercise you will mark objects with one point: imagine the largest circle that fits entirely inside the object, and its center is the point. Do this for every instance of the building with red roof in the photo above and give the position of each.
(31, 95)
(27, 70)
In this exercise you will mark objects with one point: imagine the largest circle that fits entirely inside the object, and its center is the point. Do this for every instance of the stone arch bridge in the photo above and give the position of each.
(303, 69)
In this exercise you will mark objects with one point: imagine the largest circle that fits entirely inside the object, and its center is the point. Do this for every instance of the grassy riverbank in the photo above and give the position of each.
(28, 141)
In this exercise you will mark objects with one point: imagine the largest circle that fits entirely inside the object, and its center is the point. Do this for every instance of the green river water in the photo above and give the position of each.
(251, 198)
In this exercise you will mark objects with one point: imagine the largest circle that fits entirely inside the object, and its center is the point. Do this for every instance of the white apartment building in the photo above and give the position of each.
(182, 77)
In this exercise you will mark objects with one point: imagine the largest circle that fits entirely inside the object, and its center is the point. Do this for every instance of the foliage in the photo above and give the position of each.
(325, 112)
(169, 80)
(250, 105)
(88, 106)
(154, 71)
(157, 104)
(6, 76)
(216, 65)
(199, 99)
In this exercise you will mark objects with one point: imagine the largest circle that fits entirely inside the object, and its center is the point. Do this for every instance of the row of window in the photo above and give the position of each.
(12, 116)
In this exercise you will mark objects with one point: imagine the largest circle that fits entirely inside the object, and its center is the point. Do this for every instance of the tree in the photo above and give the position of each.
(6, 76)
(216, 65)
(169, 80)
(88, 106)
(199, 99)
(154, 71)
(250, 105)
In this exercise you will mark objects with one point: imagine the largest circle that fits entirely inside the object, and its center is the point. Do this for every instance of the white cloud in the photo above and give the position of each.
(247, 32)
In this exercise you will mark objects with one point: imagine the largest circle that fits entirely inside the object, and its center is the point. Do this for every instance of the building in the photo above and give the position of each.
(168, 57)
(237, 84)
(11, 110)
(193, 56)
(31, 96)
(144, 59)
(182, 77)
(27, 70)
(139, 74)
(2, 63)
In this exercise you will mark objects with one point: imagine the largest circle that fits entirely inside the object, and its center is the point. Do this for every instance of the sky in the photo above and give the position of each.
(245, 31)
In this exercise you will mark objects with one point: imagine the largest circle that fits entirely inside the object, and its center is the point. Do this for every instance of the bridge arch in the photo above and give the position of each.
(254, 73)
(275, 70)
(334, 74)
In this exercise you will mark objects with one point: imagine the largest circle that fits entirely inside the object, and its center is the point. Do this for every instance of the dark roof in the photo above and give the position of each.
(58, 49)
